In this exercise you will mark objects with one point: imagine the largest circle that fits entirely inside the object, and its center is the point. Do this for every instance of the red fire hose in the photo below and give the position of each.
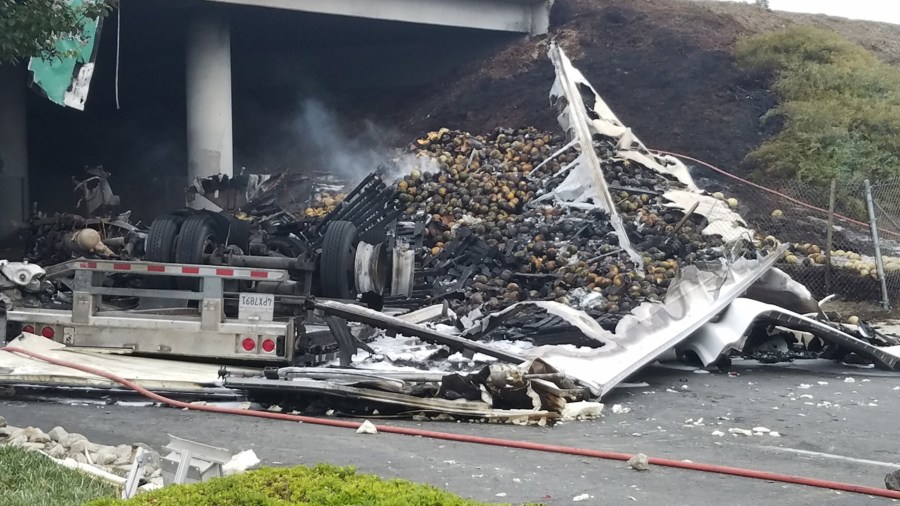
(462, 438)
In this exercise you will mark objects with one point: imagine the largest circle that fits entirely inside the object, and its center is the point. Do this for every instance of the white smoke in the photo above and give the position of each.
(329, 147)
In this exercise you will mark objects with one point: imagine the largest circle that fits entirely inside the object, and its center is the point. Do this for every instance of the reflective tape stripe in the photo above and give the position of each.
(190, 270)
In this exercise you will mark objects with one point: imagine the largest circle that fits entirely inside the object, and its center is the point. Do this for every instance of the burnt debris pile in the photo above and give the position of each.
(493, 237)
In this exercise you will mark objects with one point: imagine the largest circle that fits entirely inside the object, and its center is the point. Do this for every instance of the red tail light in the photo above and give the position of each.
(28, 328)
(268, 345)
(48, 332)
(248, 344)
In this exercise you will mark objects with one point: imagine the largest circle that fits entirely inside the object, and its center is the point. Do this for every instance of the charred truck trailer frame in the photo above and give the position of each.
(240, 291)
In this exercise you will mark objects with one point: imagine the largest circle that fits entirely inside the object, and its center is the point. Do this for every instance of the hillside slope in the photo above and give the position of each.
(664, 66)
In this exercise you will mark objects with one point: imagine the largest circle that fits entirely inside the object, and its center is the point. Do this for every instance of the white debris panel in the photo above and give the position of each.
(151, 373)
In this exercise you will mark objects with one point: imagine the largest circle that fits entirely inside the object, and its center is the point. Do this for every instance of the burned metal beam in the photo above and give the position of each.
(455, 407)
(392, 323)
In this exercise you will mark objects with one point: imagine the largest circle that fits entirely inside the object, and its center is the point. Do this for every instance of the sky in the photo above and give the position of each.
(875, 10)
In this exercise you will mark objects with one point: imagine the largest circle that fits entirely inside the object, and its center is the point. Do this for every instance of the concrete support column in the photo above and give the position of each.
(13, 152)
(209, 140)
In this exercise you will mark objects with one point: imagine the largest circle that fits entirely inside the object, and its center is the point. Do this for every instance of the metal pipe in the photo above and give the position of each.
(391, 323)
(879, 264)
(260, 262)
(279, 288)
(829, 244)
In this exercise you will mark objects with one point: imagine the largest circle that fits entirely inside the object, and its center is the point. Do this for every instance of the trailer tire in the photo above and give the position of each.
(198, 237)
(337, 261)
(160, 245)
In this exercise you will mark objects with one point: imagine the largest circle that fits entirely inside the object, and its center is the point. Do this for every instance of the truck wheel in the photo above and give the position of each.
(198, 237)
(160, 245)
(336, 263)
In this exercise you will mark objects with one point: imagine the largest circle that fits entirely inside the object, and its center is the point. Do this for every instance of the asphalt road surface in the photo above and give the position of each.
(835, 422)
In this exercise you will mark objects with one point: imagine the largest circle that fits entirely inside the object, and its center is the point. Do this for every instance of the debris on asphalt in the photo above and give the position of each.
(892, 480)
(639, 462)
(618, 409)
(581, 497)
(516, 276)
(367, 427)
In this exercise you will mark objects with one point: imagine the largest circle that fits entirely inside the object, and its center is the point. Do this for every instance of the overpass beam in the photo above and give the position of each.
(13, 152)
(523, 16)
(209, 133)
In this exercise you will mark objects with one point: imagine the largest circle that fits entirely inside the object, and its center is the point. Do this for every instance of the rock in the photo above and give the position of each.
(39, 437)
(57, 433)
(79, 447)
(80, 458)
(639, 462)
(892, 480)
(6, 432)
(123, 454)
(57, 451)
(104, 457)
(156, 473)
(33, 446)
(71, 438)
(27, 432)
(95, 448)
(367, 427)
(18, 441)
(2, 422)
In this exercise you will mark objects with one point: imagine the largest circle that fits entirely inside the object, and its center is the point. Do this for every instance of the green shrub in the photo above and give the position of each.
(840, 106)
(321, 485)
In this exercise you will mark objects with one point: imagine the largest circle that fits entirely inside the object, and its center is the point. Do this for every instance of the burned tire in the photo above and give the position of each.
(336, 263)
(198, 237)
(160, 245)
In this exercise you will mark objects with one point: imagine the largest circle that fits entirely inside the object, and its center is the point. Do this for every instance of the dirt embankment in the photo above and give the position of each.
(664, 66)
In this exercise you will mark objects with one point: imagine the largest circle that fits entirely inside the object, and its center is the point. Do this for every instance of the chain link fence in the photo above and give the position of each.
(829, 228)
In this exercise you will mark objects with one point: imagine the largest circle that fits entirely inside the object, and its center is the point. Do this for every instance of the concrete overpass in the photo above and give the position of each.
(208, 70)
(523, 16)
(210, 146)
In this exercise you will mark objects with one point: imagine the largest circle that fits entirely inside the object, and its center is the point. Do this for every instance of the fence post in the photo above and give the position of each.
(879, 265)
(829, 237)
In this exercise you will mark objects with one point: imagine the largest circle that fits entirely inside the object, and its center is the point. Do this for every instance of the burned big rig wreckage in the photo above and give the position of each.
(516, 276)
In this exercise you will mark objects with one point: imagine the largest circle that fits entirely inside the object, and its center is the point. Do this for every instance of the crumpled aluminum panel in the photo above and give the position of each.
(585, 181)
(730, 332)
(696, 297)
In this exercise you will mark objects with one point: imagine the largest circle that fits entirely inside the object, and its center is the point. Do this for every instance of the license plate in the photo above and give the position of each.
(69, 336)
(256, 306)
